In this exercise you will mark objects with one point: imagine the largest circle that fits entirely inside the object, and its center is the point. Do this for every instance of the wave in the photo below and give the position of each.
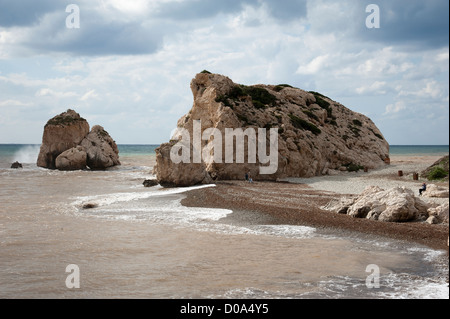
(27, 154)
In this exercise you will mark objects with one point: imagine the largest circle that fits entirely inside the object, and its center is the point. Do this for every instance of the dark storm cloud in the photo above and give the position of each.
(418, 23)
(100, 35)
(27, 12)
(202, 9)
(97, 39)
(287, 10)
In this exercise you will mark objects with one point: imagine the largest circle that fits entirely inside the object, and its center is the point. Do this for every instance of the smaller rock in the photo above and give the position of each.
(71, 160)
(16, 165)
(150, 183)
(102, 151)
(394, 205)
(441, 213)
(432, 220)
(434, 191)
(90, 206)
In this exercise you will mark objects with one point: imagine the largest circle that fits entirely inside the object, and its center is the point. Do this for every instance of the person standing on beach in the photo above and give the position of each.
(248, 178)
(422, 189)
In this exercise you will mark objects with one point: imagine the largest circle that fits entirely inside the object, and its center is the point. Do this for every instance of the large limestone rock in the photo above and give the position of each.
(72, 159)
(179, 175)
(102, 151)
(61, 133)
(434, 191)
(68, 144)
(394, 205)
(440, 213)
(316, 135)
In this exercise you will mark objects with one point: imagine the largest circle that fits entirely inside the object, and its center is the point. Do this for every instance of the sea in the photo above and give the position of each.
(141, 243)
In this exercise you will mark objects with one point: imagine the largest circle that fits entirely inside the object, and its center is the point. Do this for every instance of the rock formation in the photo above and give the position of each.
(72, 159)
(434, 191)
(440, 213)
(67, 144)
(150, 183)
(102, 151)
(61, 133)
(16, 165)
(316, 135)
(438, 171)
(394, 205)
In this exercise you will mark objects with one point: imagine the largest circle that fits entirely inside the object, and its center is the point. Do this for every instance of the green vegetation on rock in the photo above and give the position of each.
(261, 98)
(304, 125)
(280, 87)
(438, 171)
(63, 120)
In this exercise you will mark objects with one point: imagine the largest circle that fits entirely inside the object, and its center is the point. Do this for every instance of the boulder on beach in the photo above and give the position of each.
(434, 191)
(16, 165)
(394, 205)
(440, 213)
(67, 144)
(150, 182)
(313, 135)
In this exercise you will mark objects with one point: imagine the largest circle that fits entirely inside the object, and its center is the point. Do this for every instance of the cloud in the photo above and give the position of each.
(314, 66)
(132, 61)
(14, 103)
(26, 12)
(377, 87)
(121, 27)
(51, 93)
(412, 24)
(395, 108)
(89, 95)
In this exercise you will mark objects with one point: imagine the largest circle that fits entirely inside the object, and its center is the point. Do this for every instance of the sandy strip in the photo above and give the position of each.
(298, 201)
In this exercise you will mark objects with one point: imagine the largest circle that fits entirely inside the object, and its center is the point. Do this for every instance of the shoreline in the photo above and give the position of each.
(298, 202)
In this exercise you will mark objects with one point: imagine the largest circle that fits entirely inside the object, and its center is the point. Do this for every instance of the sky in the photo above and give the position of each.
(127, 64)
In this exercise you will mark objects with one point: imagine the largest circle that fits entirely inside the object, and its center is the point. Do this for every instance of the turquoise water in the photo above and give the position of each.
(438, 150)
(27, 153)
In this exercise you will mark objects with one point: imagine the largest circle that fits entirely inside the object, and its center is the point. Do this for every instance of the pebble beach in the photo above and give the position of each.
(298, 201)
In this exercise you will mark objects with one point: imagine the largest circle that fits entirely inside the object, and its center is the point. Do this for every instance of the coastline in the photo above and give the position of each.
(298, 202)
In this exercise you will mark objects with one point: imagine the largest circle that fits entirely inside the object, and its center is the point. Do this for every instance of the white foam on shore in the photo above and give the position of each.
(172, 212)
(392, 286)
(109, 199)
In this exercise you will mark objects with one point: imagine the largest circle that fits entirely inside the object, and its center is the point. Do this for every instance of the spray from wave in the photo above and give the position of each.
(27, 154)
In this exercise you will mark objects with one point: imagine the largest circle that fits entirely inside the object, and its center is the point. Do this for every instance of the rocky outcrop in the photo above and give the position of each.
(61, 133)
(434, 191)
(16, 165)
(394, 205)
(438, 171)
(150, 183)
(439, 214)
(72, 159)
(67, 144)
(102, 151)
(316, 135)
